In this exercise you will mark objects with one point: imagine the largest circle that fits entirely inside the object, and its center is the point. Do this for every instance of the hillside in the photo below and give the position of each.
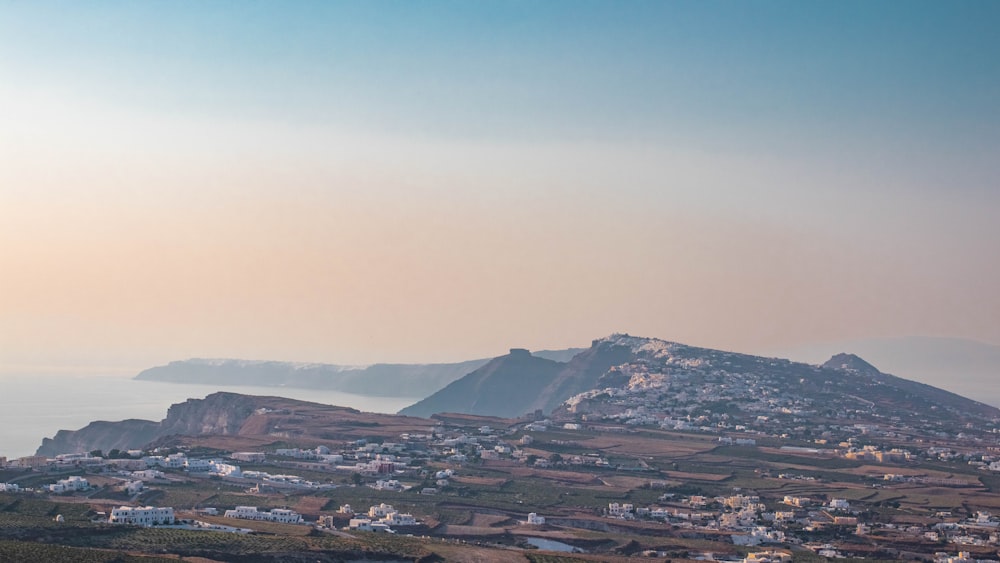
(234, 418)
(966, 367)
(495, 389)
(614, 362)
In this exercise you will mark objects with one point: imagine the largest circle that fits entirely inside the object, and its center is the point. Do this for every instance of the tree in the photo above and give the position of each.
(357, 479)
(96, 453)
(531, 459)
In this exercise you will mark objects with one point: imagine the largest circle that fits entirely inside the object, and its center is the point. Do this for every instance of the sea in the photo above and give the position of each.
(34, 407)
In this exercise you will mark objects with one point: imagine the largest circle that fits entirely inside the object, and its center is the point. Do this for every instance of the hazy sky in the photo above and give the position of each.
(424, 181)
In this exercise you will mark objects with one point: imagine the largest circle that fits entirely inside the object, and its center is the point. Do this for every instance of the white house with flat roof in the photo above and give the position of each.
(142, 516)
(282, 515)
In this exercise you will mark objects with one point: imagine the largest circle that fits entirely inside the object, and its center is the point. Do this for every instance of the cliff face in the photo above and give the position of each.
(228, 419)
(219, 413)
(101, 435)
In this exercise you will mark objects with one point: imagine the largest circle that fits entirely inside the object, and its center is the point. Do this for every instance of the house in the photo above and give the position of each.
(142, 516)
(535, 520)
(797, 501)
(197, 465)
(132, 487)
(387, 485)
(616, 510)
(839, 504)
(758, 536)
(31, 461)
(380, 511)
(399, 519)
(74, 483)
(284, 516)
(362, 524)
(389, 516)
(224, 469)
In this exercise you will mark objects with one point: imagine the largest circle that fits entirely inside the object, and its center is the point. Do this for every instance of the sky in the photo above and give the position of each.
(353, 182)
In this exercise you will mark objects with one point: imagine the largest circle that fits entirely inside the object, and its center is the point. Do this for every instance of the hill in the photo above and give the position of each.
(495, 389)
(966, 367)
(626, 364)
(235, 419)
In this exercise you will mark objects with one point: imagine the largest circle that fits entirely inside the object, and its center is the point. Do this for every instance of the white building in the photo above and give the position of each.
(74, 483)
(839, 504)
(363, 524)
(797, 501)
(197, 464)
(9, 487)
(535, 520)
(386, 514)
(758, 536)
(387, 485)
(282, 515)
(132, 487)
(224, 469)
(399, 519)
(148, 474)
(142, 516)
(380, 511)
(175, 461)
(616, 510)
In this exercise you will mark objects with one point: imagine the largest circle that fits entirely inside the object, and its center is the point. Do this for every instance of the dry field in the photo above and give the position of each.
(310, 506)
(485, 481)
(646, 447)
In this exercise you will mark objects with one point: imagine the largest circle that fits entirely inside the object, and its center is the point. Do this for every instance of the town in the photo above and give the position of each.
(854, 490)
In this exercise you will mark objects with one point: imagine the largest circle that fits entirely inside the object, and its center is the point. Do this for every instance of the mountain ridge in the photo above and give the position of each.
(606, 355)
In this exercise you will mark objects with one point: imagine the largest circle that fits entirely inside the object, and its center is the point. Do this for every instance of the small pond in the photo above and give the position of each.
(553, 545)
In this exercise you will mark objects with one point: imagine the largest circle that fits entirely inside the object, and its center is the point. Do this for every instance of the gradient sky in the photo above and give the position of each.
(430, 181)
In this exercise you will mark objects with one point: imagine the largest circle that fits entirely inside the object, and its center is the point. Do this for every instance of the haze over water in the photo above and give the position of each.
(36, 407)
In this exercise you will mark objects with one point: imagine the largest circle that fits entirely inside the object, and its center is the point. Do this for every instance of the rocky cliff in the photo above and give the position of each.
(231, 420)
(219, 413)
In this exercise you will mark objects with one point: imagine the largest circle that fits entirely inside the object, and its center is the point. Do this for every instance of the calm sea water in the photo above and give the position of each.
(36, 407)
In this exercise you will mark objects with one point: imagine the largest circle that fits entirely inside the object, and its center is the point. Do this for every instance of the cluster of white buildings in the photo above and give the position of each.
(70, 484)
(142, 516)
(388, 485)
(319, 453)
(757, 536)
(282, 515)
(381, 518)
